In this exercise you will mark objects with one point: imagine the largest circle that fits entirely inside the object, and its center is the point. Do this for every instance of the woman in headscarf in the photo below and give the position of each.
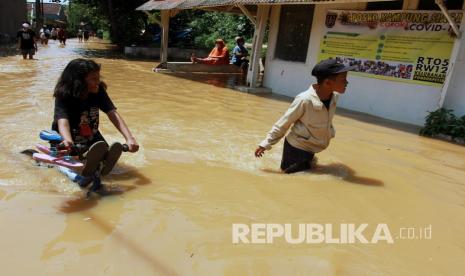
(218, 56)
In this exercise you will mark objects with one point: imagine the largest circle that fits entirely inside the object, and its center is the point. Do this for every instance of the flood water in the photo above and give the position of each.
(172, 205)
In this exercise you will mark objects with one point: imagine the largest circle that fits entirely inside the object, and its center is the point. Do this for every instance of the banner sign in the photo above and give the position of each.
(406, 46)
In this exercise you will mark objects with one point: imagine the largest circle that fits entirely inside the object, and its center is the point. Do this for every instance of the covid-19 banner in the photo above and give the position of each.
(407, 46)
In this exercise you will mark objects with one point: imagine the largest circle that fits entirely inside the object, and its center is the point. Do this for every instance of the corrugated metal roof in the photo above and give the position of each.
(189, 4)
(49, 8)
(206, 3)
(160, 5)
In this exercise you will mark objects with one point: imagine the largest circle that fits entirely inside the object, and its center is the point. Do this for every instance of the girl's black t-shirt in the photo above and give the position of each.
(83, 115)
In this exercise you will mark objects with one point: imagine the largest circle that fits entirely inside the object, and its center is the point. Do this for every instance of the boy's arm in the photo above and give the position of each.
(119, 123)
(239, 52)
(279, 129)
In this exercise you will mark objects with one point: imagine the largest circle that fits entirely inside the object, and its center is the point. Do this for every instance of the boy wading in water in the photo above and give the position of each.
(310, 114)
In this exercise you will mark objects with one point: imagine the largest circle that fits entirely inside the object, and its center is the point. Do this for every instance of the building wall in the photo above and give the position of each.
(290, 78)
(402, 102)
(12, 14)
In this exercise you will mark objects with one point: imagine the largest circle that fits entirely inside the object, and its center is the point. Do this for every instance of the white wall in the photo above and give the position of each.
(398, 101)
(290, 78)
(391, 100)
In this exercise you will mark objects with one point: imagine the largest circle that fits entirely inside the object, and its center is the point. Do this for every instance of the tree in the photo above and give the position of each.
(124, 22)
(212, 25)
(79, 14)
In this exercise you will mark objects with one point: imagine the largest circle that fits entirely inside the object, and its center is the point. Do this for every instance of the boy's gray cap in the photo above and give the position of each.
(330, 67)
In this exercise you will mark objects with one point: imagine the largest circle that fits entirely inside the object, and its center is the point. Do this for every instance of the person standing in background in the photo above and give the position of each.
(27, 41)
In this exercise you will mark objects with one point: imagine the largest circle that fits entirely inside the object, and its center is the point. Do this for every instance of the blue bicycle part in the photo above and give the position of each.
(51, 136)
(54, 152)
(75, 177)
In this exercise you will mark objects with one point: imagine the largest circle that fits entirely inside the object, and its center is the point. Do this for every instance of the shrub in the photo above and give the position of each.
(208, 26)
(443, 121)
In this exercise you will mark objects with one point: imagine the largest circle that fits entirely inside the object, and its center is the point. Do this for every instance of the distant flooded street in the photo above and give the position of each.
(172, 205)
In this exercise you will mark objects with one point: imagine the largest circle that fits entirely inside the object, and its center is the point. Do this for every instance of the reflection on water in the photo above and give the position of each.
(7, 49)
(78, 204)
(346, 173)
(85, 201)
(170, 207)
(218, 80)
(128, 173)
(104, 51)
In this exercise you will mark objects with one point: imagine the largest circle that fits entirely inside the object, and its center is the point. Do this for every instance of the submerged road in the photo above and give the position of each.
(173, 204)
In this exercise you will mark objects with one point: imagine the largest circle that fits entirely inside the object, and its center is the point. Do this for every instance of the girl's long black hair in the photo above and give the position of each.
(72, 83)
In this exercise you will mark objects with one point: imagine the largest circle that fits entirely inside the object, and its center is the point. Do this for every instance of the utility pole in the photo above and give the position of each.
(42, 15)
(39, 8)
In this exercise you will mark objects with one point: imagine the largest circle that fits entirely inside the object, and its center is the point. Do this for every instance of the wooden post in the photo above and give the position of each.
(410, 5)
(165, 24)
(459, 43)
(259, 33)
(38, 17)
(246, 12)
(446, 14)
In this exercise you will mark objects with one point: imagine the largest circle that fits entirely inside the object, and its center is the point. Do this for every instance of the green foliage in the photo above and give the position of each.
(153, 17)
(183, 19)
(444, 121)
(458, 128)
(129, 27)
(208, 26)
(124, 22)
(88, 14)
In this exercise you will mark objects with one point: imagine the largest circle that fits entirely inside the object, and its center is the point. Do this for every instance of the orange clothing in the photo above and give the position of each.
(217, 56)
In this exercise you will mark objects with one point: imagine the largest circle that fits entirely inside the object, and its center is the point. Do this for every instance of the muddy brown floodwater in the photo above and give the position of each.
(173, 204)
